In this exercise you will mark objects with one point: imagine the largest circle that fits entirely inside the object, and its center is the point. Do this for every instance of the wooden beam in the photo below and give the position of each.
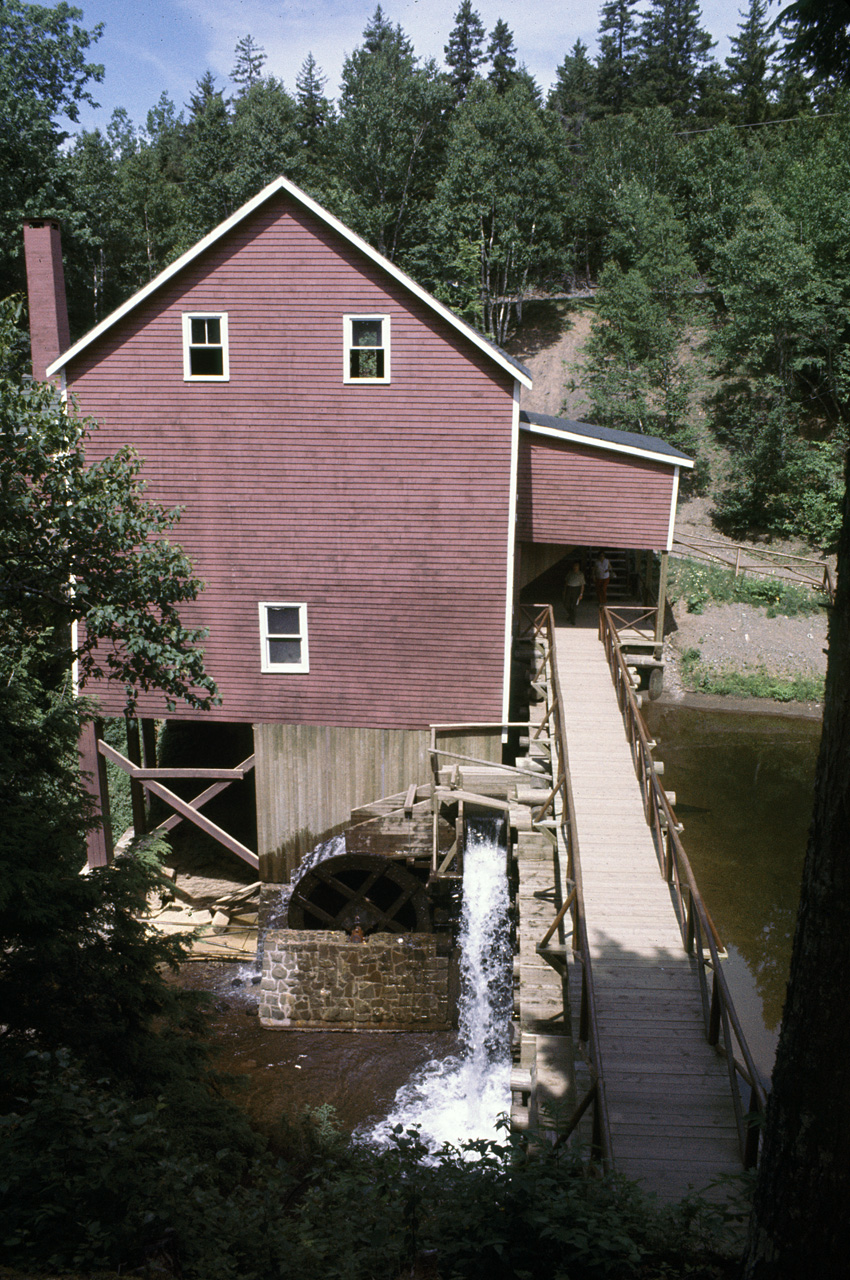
(138, 799)
(485, 802)
(230, 775)
(93, 769)
(183, 808)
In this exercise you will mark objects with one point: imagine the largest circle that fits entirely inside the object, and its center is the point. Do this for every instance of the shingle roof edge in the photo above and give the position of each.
(605, 438)
(289, 188)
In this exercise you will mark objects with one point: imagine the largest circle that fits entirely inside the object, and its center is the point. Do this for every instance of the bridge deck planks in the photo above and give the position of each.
(669, 1100)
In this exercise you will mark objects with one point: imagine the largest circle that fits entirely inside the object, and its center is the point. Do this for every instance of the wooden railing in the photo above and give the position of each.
(699, 935)
(538, 622)
(806, 570)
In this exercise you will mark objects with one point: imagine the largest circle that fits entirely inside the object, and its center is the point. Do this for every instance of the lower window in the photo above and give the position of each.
(283, 637)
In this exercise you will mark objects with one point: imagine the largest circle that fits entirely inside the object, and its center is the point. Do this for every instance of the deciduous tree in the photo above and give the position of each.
(84, 556)
(497, 216)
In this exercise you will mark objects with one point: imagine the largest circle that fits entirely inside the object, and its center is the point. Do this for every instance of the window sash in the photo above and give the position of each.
(205, 347)
(283, 637)
(366, 354)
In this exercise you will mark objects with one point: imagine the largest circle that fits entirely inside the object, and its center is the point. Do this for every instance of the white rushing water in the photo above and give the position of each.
(460, 1098)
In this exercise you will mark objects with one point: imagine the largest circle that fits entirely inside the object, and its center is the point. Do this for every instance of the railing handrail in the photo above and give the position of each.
(821, 581)
(698, 930)
(541, 620)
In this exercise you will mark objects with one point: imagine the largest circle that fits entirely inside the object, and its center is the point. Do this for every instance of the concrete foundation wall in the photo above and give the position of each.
(310, 777)
(323, 981)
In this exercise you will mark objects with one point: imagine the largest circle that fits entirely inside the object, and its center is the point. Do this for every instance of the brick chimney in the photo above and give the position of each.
(49, 333)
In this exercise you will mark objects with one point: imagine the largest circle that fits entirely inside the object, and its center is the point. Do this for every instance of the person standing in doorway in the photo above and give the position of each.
(574, 585)
(601, 577)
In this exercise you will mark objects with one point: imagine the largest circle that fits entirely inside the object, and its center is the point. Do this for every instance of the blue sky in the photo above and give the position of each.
(151, 46)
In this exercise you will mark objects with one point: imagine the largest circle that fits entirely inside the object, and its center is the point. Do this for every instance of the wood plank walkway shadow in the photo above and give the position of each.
(671, 1114)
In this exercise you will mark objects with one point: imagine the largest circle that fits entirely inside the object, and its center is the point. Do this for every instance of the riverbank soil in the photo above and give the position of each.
(741, 637)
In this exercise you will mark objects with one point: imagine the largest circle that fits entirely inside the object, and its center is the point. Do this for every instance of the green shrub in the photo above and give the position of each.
(697, 583)
(758, 683)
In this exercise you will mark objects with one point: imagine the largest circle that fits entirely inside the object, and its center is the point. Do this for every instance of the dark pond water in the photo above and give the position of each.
(743, 784)
(284, 1072)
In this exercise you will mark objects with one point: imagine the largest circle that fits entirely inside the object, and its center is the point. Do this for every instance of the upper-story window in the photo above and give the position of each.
(205, 354)
(283, 637)
(367, 349)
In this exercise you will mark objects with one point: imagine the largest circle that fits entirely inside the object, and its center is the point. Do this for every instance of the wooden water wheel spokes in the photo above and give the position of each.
(383, 895)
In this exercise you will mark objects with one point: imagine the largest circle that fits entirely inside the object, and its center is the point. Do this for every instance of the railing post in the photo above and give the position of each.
(662, 598)
(751, 1143)
(583, 1016)
(714, 1015)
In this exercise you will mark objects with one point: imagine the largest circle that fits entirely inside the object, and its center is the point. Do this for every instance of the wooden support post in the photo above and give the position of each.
(93, 769)
(662, 598)
(148, 743)
(137, 791)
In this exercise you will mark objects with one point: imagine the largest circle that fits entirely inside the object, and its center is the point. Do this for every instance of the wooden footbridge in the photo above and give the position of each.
(669, 1081)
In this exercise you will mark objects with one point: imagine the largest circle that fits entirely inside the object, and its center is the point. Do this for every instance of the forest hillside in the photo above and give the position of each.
(663, 235)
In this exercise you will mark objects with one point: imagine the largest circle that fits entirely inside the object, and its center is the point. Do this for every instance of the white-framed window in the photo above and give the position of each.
(366, 341)
(205, 351)
(283, 636)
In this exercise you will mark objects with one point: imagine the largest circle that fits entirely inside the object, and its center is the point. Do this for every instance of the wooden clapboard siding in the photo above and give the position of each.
(301, 801)
(575, 494)
(383, 508)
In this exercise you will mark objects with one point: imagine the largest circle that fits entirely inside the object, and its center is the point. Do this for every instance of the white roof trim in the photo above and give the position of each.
(284, 185)
(594, 443)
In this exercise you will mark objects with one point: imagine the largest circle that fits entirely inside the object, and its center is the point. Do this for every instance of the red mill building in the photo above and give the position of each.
(363, 496)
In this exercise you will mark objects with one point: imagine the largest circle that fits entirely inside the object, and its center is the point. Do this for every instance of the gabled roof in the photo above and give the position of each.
(281, 184)
(631, 442)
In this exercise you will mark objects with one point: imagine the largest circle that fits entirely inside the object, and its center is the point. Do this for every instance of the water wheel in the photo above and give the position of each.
(385, 896)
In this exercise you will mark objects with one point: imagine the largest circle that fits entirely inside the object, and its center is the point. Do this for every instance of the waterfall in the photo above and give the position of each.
(461, 1097)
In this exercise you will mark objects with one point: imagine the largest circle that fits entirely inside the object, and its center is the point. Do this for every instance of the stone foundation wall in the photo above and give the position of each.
(321, 980)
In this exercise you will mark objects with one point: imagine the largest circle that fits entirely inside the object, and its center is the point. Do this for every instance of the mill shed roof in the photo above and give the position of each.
(630, 442)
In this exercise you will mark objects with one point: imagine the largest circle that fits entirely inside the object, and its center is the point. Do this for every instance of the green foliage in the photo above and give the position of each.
(698, 583)
(91, 1179)
(760, 683)
(388, 143)
(495, 220)
(80, 544)
(674, 56)
(464, 53)
(95, 1176)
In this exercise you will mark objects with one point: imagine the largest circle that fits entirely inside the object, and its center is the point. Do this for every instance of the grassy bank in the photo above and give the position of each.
(698, 677)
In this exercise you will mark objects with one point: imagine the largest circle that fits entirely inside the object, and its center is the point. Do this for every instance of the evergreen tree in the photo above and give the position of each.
(248, 67)
(205, 93)
(618, 41)
(464, 51)
(379, 35)
(573, 94)
(502, 54)
(749, 71)
(314, 110)
(818, 32)
(674, 56)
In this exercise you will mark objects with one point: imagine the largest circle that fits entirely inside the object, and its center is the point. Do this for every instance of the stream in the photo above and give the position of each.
(744, 788)
(743, 783)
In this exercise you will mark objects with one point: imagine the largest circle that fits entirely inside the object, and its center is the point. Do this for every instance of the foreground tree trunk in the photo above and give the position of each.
(800, 1225)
